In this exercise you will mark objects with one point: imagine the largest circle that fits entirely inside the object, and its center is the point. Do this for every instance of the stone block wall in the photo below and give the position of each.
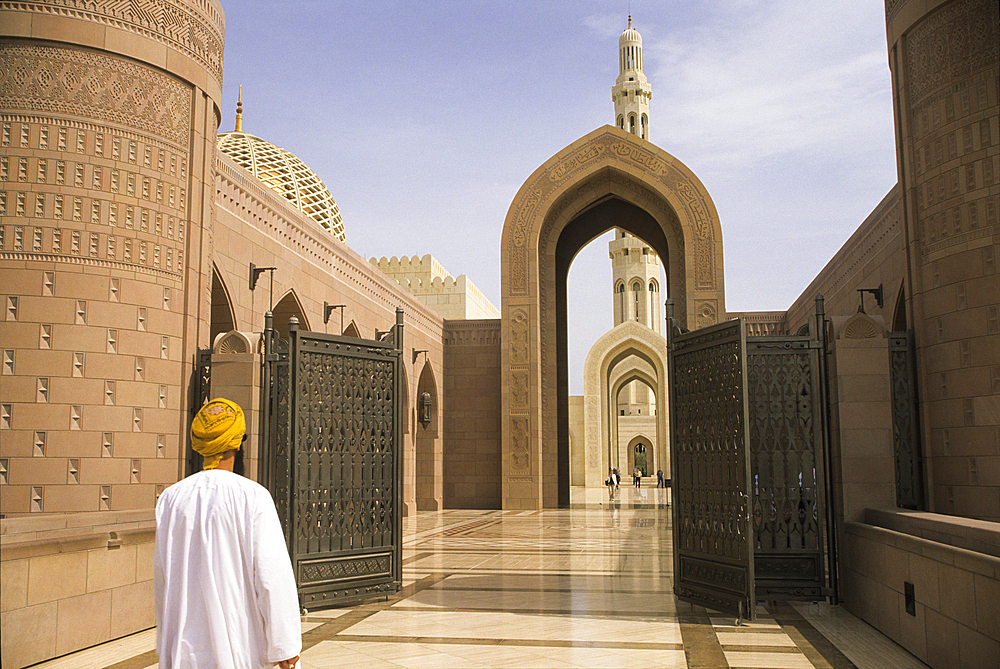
(939, 601)
(68, 582)
(472, 396)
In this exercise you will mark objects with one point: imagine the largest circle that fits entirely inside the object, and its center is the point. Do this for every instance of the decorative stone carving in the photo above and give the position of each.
(198, 36)
(519, 337)
(955, 41)
(861, 326)
(93, 85)
(706, 313)
(235, 342)
(520, 449)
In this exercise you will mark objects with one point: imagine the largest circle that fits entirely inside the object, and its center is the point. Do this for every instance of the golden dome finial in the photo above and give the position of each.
(239, 110)
(630, 14)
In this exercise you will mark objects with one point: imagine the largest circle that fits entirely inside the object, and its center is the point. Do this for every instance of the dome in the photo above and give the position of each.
(630, 35)
(287, 176)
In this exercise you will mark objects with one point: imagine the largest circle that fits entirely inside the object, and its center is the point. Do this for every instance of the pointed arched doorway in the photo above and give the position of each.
(608, 179)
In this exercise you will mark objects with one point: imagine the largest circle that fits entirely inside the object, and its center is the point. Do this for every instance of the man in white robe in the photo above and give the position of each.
(225, 591)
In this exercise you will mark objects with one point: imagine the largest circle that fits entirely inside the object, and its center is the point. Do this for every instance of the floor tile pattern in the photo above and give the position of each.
(586, 586)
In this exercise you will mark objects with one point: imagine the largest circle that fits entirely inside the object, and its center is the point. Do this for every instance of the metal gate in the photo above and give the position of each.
(905, 434)
(333, 460)
(751, 508)
(713, 547)
(788, 464)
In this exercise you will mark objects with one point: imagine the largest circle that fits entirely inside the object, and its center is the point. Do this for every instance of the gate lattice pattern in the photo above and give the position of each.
(713, 550)
(336, 463)
(786, 467)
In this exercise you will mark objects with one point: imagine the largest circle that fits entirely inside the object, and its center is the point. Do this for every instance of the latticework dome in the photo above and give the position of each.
(287, 176)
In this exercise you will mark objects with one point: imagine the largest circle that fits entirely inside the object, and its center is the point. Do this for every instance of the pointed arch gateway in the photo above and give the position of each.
(606, 179)
(628, 352)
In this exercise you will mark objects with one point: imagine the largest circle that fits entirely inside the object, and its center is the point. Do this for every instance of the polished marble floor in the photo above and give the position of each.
(587, 586)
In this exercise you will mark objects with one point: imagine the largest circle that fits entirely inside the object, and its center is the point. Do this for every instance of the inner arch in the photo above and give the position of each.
(605, 214)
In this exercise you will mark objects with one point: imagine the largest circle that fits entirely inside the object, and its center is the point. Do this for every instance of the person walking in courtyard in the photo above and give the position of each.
(660, 483)
(611, 482)
(224, 587)
(636, 477)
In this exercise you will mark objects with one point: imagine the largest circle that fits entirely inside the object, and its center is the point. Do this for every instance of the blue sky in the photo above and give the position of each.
(424, 119)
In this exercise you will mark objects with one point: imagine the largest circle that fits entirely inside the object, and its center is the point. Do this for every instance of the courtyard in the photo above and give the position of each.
(585, 586)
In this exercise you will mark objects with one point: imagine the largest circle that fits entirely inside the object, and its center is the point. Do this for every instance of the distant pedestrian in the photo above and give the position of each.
(636, 477)
(612, 483)
(659, 478)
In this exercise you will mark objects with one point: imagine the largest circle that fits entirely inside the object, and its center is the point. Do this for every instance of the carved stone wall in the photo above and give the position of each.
(94, 160)
(194, 29)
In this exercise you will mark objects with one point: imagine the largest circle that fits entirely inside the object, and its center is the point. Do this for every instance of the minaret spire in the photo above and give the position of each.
(631, 93)
(239, 110)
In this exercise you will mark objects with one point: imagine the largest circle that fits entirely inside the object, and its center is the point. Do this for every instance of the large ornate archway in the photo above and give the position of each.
(606, 179)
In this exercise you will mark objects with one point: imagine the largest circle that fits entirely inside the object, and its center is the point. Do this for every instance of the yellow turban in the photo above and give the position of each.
(218, 427)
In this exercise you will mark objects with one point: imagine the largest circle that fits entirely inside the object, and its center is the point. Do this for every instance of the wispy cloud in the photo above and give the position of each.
(772, 79)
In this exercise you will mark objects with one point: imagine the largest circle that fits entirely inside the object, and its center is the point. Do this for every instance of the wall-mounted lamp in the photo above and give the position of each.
(876, 292)
(417, 353)
(425, 409)
(328, 309)
(255, 273)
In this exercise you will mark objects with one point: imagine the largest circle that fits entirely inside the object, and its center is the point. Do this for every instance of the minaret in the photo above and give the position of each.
(635, 266)
(636, 280)
(631, 92)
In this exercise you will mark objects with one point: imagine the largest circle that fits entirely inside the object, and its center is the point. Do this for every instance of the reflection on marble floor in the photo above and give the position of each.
(587, 586)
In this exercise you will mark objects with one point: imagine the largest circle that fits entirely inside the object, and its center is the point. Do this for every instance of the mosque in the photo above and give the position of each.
(130, 228)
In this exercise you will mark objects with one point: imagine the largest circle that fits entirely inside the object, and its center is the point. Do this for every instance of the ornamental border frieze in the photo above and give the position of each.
(96, 86)
(92, 262)
(537, 193)
(640, 157)
(114, 131)
(168, 22)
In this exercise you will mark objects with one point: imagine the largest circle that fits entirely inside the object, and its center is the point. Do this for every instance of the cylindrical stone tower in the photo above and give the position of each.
(108, 118)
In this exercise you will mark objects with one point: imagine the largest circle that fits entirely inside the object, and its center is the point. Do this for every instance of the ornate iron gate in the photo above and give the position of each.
(713, 547)
(905, 434)
(788, 465)
(335, 456)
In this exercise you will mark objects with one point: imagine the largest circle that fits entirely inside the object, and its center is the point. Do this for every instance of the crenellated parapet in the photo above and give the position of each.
(454, 298)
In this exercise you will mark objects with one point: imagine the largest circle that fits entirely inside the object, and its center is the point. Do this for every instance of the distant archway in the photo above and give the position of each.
(608, 179)
(628, 352)
(640, 451)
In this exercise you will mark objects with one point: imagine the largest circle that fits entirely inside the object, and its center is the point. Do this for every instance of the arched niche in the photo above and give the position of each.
(352, 330)
(608, 179)
(429, 463)
(223, 315)
(288, 306)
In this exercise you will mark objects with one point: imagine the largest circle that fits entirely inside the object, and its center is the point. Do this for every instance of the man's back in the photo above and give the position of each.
(225, 592)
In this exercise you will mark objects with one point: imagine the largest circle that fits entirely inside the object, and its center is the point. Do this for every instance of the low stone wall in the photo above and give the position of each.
(935, 598)
(72, 581)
